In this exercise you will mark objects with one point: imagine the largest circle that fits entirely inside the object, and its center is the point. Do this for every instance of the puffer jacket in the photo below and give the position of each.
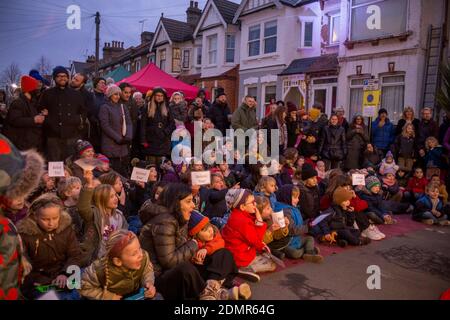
(404, 147)
(121, 281)
(179, 111)
(309, 201)
(114, 144)
(383, 137)
(165, 237)
(333, 144)
(50, 253)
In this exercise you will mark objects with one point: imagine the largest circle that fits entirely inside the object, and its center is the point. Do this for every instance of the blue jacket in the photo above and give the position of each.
(433, 158)
(272, 198)
(383, 137)
(423, 204)
(295, 223)
(375, 202)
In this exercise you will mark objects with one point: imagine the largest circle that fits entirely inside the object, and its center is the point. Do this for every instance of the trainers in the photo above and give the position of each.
(428, 221)
(410, 209)
(381, 234)
(248, 274)
(233, 293)
(210, 291)
(444, 223)
(314, 258)
(244, 291)
(371, 234)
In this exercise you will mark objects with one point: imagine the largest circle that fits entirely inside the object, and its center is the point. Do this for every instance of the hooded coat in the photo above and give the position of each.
(50, 253)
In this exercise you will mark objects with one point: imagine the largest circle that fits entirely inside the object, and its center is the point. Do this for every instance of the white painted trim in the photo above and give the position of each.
(269, 78)
(244, 3)
(158, 30)
(250, 81)
(208, 6)
(303, 21)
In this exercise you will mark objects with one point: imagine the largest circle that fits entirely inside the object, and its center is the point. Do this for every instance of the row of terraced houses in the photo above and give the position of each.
(303, 51)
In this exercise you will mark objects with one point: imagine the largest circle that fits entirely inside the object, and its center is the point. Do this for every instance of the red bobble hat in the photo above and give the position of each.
(28, 84)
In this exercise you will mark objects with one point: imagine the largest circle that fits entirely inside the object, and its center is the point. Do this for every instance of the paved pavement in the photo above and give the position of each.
(415, 265)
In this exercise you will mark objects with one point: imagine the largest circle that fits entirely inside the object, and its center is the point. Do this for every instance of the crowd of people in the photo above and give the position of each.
(169, 238)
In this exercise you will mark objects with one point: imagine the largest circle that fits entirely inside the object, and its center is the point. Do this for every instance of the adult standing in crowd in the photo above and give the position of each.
(383, 132)
(357, 140)
(244, 117)
(99, 99)
(278, 122)
(427, 128)
(407, 117)
(205, 102)
(220, 113)
(117, 130)
(157, 126)
(340, 112)
(23, 124)
(78, 82)
(66, 110)
(125, 98)
(332, 145)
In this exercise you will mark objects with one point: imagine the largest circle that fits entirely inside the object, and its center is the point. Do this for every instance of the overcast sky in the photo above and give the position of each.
(30, 29)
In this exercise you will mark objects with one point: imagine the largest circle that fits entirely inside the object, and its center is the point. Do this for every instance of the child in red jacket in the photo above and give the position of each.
(213, 260)
(416, 185)
(244, 233)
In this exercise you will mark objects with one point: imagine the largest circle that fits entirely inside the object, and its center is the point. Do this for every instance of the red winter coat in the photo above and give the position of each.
(417, 185)
(359, 204)
(242, 237)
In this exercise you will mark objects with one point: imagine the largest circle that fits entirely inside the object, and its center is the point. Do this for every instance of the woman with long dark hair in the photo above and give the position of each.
(357, 140)
(333, 146)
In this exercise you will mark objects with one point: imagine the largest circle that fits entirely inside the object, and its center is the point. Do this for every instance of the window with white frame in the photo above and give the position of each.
(270, 36)
(252, 90)
(270, 92)
(393, 95)
(371, 19)
(151, 58)
(198, 58)
(127, 66)
(334, 28)
(138, 65)
(356, 96)
(230, 48)
(162, 59)
(176, 60)
(254, 33)
(212, 49)
(306, 34)
(186, 59)
(252, 4)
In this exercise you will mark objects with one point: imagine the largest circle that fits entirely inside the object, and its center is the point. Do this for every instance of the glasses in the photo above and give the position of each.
(250, 203)
(61, 76)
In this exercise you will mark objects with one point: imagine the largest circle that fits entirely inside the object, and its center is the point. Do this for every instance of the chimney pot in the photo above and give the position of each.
(196, 4)
(122, 45)
(191, 4)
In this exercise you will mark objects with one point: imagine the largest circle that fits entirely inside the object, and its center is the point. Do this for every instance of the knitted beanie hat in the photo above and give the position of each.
(111, 90)
(59, 69)
(102, 158)
(20, 172)
(235, 197)
(308, 171)
(197, 222)
(82, 145)
(372, 181)
(28, 84)
(341, 194)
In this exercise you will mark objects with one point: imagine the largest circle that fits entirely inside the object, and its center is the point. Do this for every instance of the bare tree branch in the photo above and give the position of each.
(10, 75)
(44, 66)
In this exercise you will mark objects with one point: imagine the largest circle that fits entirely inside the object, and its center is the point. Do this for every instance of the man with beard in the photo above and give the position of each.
(220, 113)
(23, 123)
(66, 110)
(78, 83)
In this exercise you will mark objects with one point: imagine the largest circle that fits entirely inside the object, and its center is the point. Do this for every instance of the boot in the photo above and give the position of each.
(214, 291)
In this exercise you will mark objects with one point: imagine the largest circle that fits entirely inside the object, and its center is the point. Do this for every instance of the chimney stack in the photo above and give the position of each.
(193, 14)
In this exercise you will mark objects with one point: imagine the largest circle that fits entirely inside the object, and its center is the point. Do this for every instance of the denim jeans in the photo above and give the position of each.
(429, 215)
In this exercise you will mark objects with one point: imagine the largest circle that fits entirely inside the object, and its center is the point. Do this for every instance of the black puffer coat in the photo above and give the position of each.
(357, 140)
(333, 144)
(165, 237)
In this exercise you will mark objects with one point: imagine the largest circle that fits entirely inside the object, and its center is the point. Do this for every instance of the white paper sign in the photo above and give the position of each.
(358, 179)
(140, 175)
(278, 218)
(88, 164)
(56, 169)
(201, 178)
(370, 111)
(319, 219)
